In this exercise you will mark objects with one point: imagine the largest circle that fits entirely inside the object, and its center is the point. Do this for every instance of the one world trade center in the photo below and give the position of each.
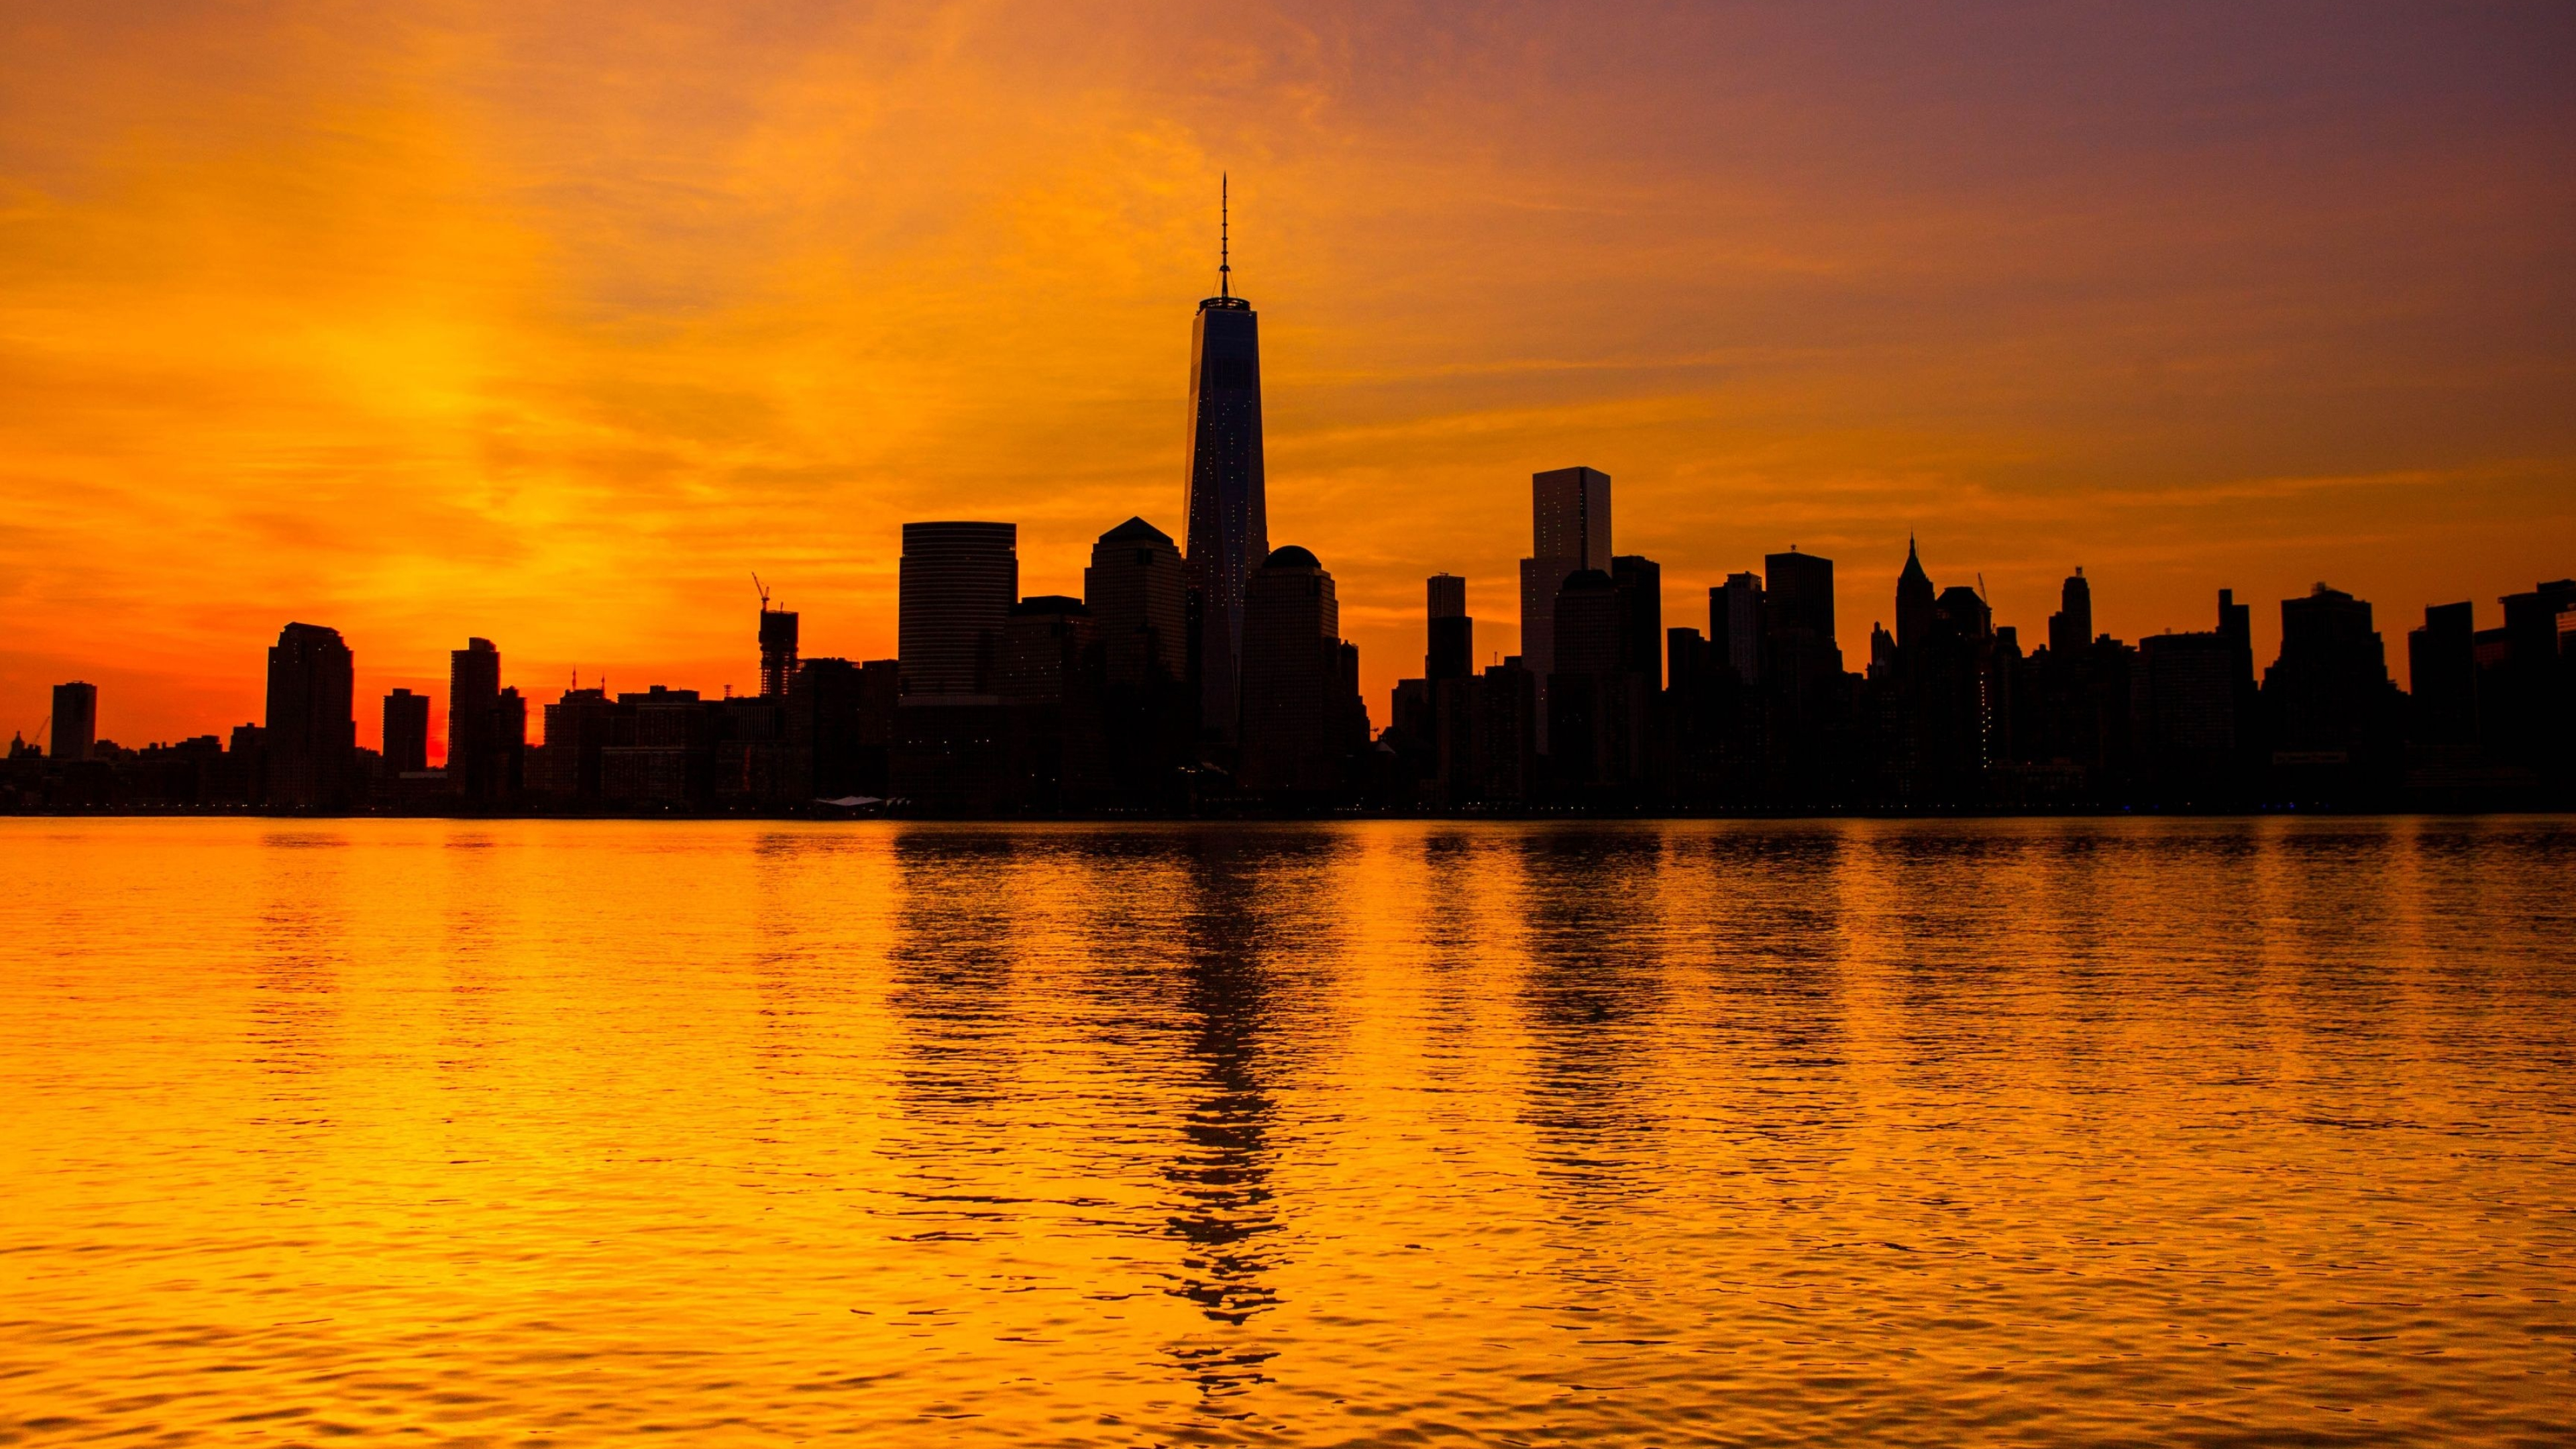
(1228, 520)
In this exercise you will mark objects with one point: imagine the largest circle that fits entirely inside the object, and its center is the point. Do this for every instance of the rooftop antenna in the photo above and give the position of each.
(1224, 224)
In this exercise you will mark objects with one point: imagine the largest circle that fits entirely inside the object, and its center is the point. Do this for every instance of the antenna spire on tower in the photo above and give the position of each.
(1224, 282)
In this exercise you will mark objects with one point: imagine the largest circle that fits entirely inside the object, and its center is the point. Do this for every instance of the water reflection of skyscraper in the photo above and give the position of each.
(1596, 979)
(1222, 1171)
(1222, 1209)
(950, 958)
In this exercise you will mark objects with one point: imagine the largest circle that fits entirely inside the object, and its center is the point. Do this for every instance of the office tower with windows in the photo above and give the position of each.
(954, 594)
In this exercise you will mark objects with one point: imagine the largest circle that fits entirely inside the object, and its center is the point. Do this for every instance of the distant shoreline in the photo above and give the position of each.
(1253, 817)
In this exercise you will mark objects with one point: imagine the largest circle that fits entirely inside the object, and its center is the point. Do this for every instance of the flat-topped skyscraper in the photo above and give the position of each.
(406, 732)
(1570, 516)
(1452, 635)
(954, 590)
(473, 719)
(1227, 522)
(75, 720)
(1569, 532)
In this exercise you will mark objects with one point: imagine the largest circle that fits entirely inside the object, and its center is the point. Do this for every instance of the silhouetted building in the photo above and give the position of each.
(754, 764)
(838, 729)
(1570, 516)
(1639, 583)
(1138, 595)
(579, 728)
(1595, 702)
(958, 582)
(241, 777)
(670, 764)
(1586, 624)
(2073, 703)
(2442, 665)
(1228, 522)
(509, 745)
(1806, 702)
(1050, 672)
(75, 720)
(1138, 592)
(954, 749)
(1938, 695)
(1706, 739)
(1488, 737)
(406, 732)
(1688, 660)
(1449, 645)
(1735, 625)
(311, 732)
(1407, 767)
(473, 720)
(2071, 627)
(2526, 714)
(2188, 728)
(957, 746)
(1569, 530)
(1799, 597)
(957, 755)
(777, 650)
(1299, 684)
(1915, 603)
(2332, 709)
(1043, 650)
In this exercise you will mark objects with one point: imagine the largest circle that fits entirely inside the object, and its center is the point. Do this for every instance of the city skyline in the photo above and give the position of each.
(1110, 722)
(2192, 306)
(1217, 675)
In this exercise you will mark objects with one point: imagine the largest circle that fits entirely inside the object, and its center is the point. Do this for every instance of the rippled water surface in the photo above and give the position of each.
(2000, 1132)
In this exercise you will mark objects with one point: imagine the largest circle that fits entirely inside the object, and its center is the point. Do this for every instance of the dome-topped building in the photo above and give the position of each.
(1300, 681)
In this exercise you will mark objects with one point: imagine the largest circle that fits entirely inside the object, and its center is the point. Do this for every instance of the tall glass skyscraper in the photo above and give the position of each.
(1228, 516)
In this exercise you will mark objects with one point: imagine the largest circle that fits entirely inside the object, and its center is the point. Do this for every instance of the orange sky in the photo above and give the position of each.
(552, 323)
